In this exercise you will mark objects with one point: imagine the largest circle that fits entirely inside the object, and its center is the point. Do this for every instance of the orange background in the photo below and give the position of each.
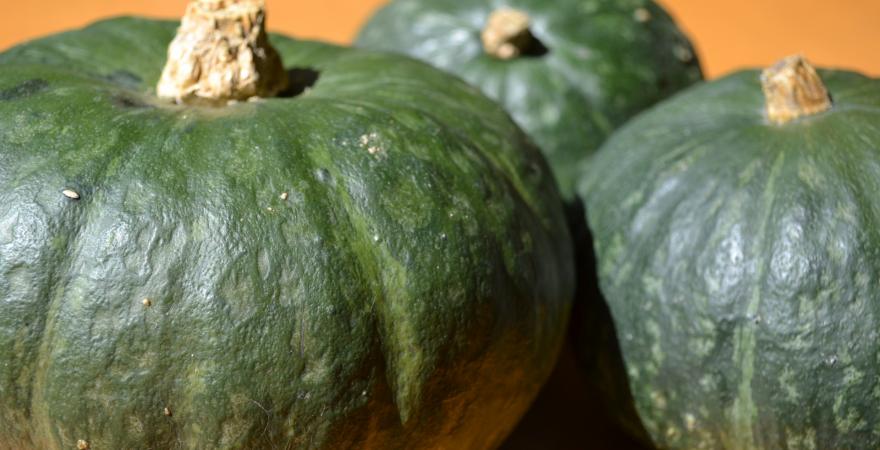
(728, 33)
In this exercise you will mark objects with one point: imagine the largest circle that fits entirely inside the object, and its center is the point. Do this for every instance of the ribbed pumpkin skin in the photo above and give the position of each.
(603, 64)
(740, 260)
(410, 291)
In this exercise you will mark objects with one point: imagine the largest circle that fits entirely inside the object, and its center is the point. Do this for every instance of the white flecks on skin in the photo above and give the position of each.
(369, 142)
(73, 195)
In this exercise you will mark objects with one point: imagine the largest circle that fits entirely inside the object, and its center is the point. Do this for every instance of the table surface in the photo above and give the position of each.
(729, 34)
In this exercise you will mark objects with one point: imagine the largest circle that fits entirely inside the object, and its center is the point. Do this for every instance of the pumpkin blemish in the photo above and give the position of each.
(26, 89)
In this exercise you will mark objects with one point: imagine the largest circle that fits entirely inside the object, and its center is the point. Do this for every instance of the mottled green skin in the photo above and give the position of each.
(740, 261)
(409, 293)
(602, 66)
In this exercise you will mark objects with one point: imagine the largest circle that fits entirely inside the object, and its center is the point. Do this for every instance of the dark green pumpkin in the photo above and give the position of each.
(408, 291)
(603, 61)
(740, 259)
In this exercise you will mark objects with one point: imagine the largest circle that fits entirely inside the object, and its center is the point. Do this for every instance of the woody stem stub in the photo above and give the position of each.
(506, 34)
(222, 54)
(793, 89)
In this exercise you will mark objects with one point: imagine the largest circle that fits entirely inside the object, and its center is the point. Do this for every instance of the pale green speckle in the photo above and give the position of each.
(801, 441)
(786, 381)
(748, 174)
(673, 433)
(708, 383)
(656, 351)
(847, 419)
(810, 176)
(632, 200)
(653, 285)
(658, 399)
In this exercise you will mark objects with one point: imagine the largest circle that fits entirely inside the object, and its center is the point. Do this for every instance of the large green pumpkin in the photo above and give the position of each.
(585, 68)
(740, 257)
(379, 262)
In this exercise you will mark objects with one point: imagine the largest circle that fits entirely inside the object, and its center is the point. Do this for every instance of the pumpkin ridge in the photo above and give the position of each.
(369, 261)
(41, 416)
(744, 410)
(406, 375)
(499, 165)
(247, 403)
(72, 221)
(64, 57)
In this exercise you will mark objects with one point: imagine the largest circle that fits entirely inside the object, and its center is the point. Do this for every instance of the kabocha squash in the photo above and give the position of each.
(568, 71)
(375, 258)
(737, 247)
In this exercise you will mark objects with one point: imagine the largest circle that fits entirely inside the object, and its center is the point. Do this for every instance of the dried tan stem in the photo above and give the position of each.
(507, 34)
(222, 53)
(793, 89)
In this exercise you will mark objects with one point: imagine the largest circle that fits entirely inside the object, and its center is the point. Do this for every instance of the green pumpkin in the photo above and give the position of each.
(739, 257)
(379, 262)
(585, 68)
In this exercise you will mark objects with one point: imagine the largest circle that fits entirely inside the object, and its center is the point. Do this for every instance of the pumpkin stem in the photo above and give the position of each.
(222, 54)
(507, 34)
(793, 89)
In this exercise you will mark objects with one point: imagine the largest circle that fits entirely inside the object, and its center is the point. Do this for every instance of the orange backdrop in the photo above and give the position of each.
(728, 33)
